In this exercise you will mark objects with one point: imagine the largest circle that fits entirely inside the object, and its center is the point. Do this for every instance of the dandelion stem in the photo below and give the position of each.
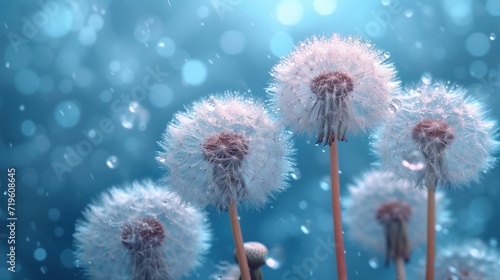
(400, 268)
(337, 213)
(238, 242)
(431, 231)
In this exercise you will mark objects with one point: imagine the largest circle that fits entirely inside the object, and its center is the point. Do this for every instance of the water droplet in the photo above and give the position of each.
(385, 2)
(112, 162)
(273, 263)
(21, 108)
(295, 174)
(413, 160)
(373, 263)
(394, 105)
(409, 13)
(304, 229)
(7, 64)
(324, 184)
(387, 54)
(493, 36)
(493, 242)
(426, 78)
(133, 106)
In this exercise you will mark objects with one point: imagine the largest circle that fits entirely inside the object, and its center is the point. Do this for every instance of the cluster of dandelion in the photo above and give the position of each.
(228, 150)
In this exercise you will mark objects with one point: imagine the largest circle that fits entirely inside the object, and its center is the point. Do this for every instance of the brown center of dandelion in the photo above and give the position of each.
(337, 84)
(331, 89)
(227, 151)
(394, 216)
(225, 148)
(431, 133)
(143, 234)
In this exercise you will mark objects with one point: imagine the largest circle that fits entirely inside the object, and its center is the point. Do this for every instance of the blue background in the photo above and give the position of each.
(63, 72)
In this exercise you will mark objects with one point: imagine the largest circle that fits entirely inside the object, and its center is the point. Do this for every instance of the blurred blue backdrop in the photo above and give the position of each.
(118, 70)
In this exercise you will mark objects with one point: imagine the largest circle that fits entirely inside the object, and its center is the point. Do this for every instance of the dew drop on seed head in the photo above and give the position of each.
(414, 161)
(493, 36)
(394, 105)
(112, 162)
(386, 54)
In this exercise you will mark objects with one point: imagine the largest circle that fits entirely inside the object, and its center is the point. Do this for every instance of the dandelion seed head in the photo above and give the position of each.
(469, 260)
(331, 87)
(447, 129)
(226, 149)
(379, 199)
(140, 229)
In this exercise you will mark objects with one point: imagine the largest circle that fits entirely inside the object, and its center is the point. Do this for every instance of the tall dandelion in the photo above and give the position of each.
(225, 151)
(331, 88)
(384, 213)
(439, 137)
(140, 232)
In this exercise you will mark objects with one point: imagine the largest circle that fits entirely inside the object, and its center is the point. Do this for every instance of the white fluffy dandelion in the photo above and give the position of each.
(438, 134)
(439, 137)
(226, 149)
(331, 87)
(384, 213)
(140, 232)
(472, 260)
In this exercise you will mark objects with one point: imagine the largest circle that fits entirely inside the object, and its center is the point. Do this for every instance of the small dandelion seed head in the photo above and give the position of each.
(438, 135)
(469, 260)
(380, 203)
(226, 271)
(331, 87)
(226, 149)
(140, 229)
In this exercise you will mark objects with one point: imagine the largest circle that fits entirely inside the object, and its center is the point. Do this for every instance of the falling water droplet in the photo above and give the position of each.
(373, 263)
(493, 36)
(7, 64)
(426, 78)
(112, 162)
(304, 229)
(413, 161)
(21, 108)
(324, 184)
